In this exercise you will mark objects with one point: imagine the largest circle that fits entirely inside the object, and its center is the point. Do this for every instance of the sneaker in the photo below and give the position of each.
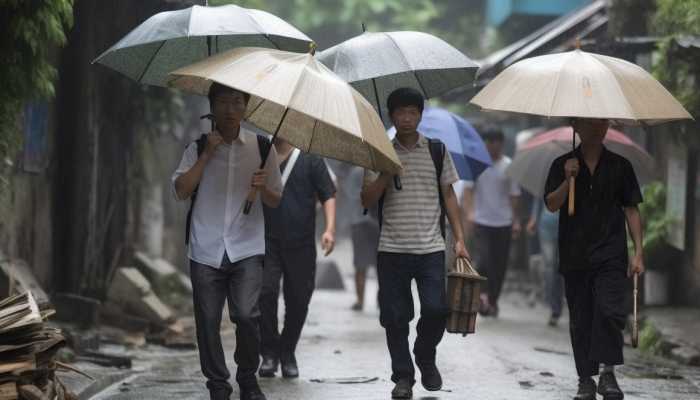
(430, 377)
(252, 392)
(586, 389)
(289, 366)
(357, 307)
(608, 387)
(402, 390)
(268, 368)
(553, 321)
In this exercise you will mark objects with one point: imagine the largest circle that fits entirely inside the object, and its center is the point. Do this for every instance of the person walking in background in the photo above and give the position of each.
(545, 224)
(226, 247)
(411, 243)
(494, 214)
(593, 252)
(364, 231)
(291, 254)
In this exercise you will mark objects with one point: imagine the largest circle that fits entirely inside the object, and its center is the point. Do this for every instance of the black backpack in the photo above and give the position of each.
(263, 146)
(437, 153)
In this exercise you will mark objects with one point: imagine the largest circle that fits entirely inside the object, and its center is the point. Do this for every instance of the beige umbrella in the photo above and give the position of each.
(584, 85)
(300, 100)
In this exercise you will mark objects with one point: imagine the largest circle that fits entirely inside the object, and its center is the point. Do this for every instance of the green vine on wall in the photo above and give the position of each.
(31, 29)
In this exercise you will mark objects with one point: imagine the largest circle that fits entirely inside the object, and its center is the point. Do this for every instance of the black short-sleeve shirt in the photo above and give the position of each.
(293, 223)
(596, 234)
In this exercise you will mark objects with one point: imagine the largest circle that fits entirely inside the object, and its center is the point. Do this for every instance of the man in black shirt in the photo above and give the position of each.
(593, 252)
(290, 254)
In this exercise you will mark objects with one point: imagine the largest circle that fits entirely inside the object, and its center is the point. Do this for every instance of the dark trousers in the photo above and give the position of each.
(297, 269)
(596, 301)
(492, 249)
(240, 284)
(395, 272)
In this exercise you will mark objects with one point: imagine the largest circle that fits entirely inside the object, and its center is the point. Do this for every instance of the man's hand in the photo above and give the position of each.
(636, 265)
(259, 179)
(214, 139)
(461, 250)
(327, 242)
(571, 167)
(531, 226)
(516, 228)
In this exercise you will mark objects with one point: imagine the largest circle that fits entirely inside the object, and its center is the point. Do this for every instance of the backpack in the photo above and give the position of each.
(437, 153)
(264, 146)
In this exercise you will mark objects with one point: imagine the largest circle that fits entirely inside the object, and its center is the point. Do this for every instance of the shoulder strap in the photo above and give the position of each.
(201, 143)
(437, 153)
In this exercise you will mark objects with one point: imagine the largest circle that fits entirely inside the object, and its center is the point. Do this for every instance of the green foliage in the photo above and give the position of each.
(679, 70)
(31, 29)
(649, 337)
(656, 222)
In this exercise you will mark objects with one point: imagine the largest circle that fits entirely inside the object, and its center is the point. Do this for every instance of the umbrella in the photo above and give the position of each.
(300, 100)
(377, 63)
(461, 139)
(533, 159)
(173, 39)
(583, 85)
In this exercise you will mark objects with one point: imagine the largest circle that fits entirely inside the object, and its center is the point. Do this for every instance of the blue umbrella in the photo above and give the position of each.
(464, 143)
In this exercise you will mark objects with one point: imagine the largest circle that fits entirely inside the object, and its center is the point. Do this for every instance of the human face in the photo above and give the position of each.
(229, 109)
(591, 130)
(406, 119)
(495, 148)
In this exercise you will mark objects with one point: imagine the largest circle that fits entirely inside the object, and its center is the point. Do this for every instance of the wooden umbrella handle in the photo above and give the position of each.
(250, 199)
(572, 193)
(635, 320)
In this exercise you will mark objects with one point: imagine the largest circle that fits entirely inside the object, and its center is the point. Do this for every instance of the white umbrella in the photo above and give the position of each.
(583, 85)
(298, 99)
(173, 39)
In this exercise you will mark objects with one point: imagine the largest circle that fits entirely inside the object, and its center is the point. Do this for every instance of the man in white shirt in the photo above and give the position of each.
(226, 246)
(495, 205)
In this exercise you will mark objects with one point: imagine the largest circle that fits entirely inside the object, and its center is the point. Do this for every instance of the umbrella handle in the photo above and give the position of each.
(635, 321)
(250, 199)
(572, 194)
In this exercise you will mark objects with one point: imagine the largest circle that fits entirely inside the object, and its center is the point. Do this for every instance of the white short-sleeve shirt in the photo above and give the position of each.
(492, 192)
(218, 222)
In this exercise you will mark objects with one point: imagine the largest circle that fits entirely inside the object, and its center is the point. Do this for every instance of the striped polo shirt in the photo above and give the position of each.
(411, 216)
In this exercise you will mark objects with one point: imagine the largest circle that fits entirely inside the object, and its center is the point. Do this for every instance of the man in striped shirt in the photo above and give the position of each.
(412, 246)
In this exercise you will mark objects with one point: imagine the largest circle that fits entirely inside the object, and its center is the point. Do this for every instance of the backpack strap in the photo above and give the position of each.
(437, 153)
(201, 143)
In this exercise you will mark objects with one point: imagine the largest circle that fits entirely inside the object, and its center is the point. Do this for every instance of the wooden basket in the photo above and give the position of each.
(463, 287)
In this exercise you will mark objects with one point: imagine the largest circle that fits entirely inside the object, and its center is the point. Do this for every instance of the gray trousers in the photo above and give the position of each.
(238, 283)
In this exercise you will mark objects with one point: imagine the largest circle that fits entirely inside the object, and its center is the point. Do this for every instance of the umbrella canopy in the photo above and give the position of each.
(173, 39)
(581, 84)
(533, 159)
(301, 101)
(464, 143)
(377, 63)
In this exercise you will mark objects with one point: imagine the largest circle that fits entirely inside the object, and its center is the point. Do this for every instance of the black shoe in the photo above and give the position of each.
(608, 387)
(268, 368)
(586, 389)
(252, 392)
(553, 321)
(289, 366)
(430, 377)
(402, 390)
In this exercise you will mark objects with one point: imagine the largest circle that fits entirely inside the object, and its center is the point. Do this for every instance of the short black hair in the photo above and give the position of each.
(493, 134)
(403, 97)
(216, 89)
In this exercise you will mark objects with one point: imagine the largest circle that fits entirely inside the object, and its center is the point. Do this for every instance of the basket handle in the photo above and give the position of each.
(464, 265)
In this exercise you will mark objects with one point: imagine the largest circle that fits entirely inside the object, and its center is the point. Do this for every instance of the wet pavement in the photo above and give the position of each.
(343, 355)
